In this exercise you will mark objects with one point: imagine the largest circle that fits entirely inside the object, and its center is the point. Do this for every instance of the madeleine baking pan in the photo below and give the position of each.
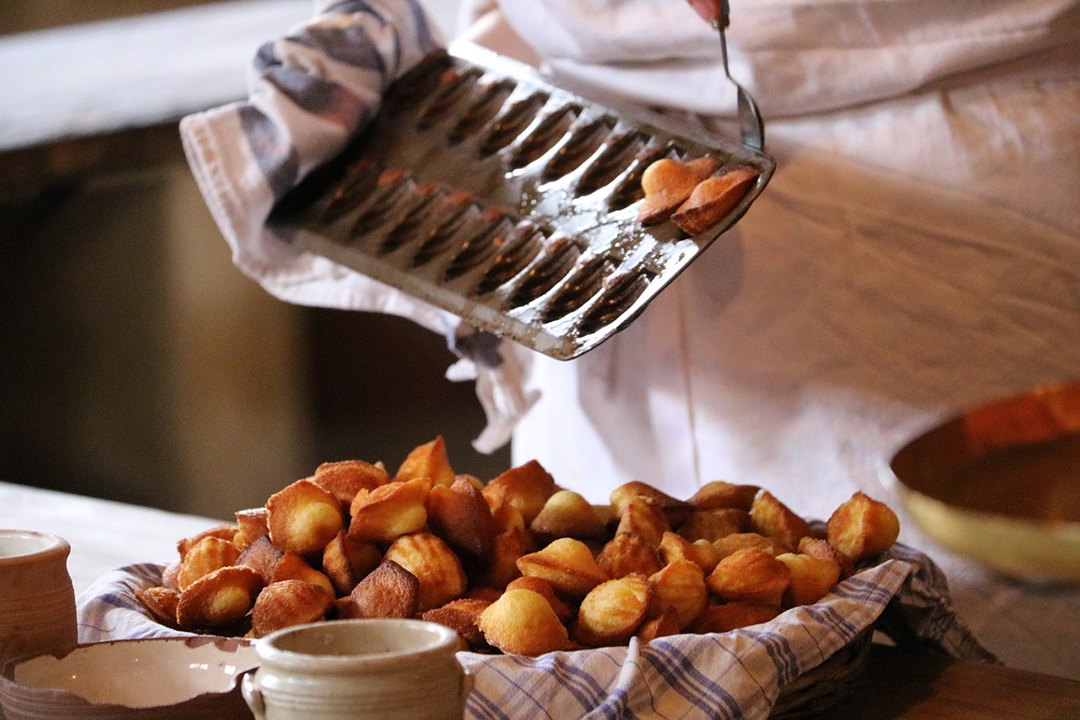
(486, 191)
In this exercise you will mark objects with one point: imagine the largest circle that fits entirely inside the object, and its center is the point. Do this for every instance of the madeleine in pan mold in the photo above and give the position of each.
(695, 194)
(712, 199)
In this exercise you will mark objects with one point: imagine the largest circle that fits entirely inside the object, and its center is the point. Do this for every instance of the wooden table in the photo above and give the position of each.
(906, 684)
(897, 684)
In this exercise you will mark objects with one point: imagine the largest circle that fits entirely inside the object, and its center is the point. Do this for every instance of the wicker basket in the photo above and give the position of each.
(824, 685)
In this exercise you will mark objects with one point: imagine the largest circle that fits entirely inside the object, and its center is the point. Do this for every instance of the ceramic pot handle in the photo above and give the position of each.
(253, 696)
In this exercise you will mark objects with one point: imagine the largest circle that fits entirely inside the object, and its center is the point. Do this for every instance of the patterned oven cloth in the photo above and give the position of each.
(739, 674)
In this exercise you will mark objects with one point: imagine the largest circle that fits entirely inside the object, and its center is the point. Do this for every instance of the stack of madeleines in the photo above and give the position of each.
(516, 565)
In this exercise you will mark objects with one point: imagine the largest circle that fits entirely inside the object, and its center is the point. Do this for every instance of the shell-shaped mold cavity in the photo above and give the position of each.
(482, 110)
(438, 239)
(618, 153)
(391, 189)
(520, 248)
(350, 193)
(547, 132)
(479, 248)
(584, 139)
(453, 86)
(620, 292)
(579, 288)
(546, 273)
(422, 211)
(508, 126)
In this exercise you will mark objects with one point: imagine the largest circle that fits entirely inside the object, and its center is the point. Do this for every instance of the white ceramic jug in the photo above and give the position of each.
(379, 669)
(37, 601)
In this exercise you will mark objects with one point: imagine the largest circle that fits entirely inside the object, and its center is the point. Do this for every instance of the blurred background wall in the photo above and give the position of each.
(136, 363)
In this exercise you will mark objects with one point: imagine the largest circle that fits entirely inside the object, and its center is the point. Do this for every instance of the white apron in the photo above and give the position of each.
(917, 251)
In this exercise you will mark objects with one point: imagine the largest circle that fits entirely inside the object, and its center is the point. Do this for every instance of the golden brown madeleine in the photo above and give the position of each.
(675, 547)
(625, 554)
(506, 516)
(811, 578)
(863, 527)
(668, 184)
(459, 515)
(466, 555)
(170, 575)
(222, 532)
(434, 564)
(816, 547)
(567, 514)
(750, 574)
(428, 461)
(203, 558)
(567, 564)
(704, 553)
(262, 557)
(679, 588)
(345, 478)
(712, 199)
(712, 525)
(526, 488)
(287, 603)
(460, 615)
(161, 603)
(221, 598)
(702, 167)
(251, 525)
(613, 611)
(643, 518)
(543, 587)
(507, 548)
(294, 567)
(727, 545)
(770, 517)
(303, 517)
(718, 494)
(734, 615)
(390, 511)
(472, 480)
(389, 591)
(676, 510)
(522, 622)
(658, 627)
(346, 561)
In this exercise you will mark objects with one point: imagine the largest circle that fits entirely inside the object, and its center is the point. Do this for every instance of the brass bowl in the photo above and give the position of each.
(1000, 483)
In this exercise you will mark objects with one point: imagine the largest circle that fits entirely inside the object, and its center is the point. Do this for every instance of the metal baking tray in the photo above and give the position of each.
(486, 191)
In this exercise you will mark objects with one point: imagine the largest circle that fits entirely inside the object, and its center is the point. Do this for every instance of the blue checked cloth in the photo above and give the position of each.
(738, 674)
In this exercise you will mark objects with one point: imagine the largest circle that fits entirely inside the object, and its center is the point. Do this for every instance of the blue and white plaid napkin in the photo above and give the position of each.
(737, 674)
